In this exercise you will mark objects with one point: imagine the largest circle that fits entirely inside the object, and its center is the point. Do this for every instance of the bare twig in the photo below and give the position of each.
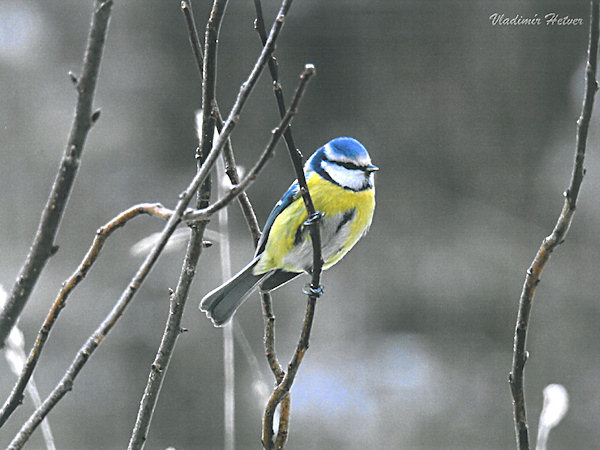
(230, 165)
(246, 206)
(179, 297)
(194, 249)
(516, 376)
(317, 263)
(102, 234)
(273, 69)
(43, 246)
(244, 201)
(264, 157)
(269, 337)
(184, 199)
(314, 291)
(171, 332)
(283, 388)
(269, 317)
(188, 14)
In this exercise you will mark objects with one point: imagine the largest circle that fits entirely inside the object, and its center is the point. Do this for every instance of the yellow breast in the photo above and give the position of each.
(283, 250)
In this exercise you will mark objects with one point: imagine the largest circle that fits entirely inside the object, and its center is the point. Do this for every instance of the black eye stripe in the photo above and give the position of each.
(346, 165)
(349, 165)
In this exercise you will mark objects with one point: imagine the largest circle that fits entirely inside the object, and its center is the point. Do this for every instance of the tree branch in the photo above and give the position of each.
(314, 291)
(250, 177)
(194, 249)
(43, 246)
(102, 234)
(315, 288)
(516, 376)
(244, 201)
(171, 332)
(230, 165)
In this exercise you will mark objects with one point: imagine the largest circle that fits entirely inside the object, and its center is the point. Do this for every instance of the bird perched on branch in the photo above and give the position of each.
(340, 180)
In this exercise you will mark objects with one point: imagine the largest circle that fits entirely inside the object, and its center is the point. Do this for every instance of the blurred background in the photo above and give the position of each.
(473, 127)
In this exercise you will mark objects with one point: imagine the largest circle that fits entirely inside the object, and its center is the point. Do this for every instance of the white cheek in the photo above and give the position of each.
(352, 179)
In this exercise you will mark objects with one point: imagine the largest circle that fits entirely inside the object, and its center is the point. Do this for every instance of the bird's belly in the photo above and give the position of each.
(334, 231)
(347, 217)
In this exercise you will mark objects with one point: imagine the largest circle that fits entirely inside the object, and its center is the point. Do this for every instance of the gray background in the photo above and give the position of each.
(473, 127)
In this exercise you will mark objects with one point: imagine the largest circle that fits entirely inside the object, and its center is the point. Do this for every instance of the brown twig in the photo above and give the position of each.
(283, 388)
(43, 246)
(516, 376)
(230, 165)
(315, 288)
(269, 337)
(246, 206)
(314, 291)
(179, 297)
(102, 234)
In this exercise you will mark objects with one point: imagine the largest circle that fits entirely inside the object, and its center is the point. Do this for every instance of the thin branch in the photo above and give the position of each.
(185, 197)
(269, 337)
(283, 388)
(244, 201)
(314, 291)
(259, 24)
(43, 246)
(194, 249)
(171, 332)
(267, 306)
(250, 177)
(230, 165)
(188, 14)
(516, 376)
(102, 234)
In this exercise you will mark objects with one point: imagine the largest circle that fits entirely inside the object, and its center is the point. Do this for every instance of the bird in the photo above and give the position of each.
(340, 179)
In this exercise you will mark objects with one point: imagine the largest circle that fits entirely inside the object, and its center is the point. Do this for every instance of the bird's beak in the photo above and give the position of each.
(372, 168)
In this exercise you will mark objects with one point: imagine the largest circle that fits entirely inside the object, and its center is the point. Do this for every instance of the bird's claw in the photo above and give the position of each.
(314, 218)
(315, 292)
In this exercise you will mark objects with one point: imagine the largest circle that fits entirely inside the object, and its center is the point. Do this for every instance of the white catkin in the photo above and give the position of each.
(14, 352)
(556, 405)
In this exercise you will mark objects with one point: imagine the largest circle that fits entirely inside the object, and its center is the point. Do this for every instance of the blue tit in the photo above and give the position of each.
(340, 179)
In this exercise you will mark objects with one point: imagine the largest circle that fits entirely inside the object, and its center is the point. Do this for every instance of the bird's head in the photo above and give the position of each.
(345, 162)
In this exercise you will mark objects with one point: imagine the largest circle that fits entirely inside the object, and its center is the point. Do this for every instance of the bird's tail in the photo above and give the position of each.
(221, 303)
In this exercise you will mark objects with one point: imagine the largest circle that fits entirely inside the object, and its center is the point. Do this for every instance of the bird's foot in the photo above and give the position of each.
(315, 292)
(316, 217)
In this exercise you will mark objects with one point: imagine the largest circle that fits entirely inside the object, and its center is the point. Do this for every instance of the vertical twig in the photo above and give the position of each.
(516, 376)
(230, 165)
(314, 291)
(194, 249)
(267, 304)
(171, 332)
(43, 246)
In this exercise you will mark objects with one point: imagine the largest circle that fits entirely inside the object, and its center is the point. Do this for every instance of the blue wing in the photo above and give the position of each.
(286, 200)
